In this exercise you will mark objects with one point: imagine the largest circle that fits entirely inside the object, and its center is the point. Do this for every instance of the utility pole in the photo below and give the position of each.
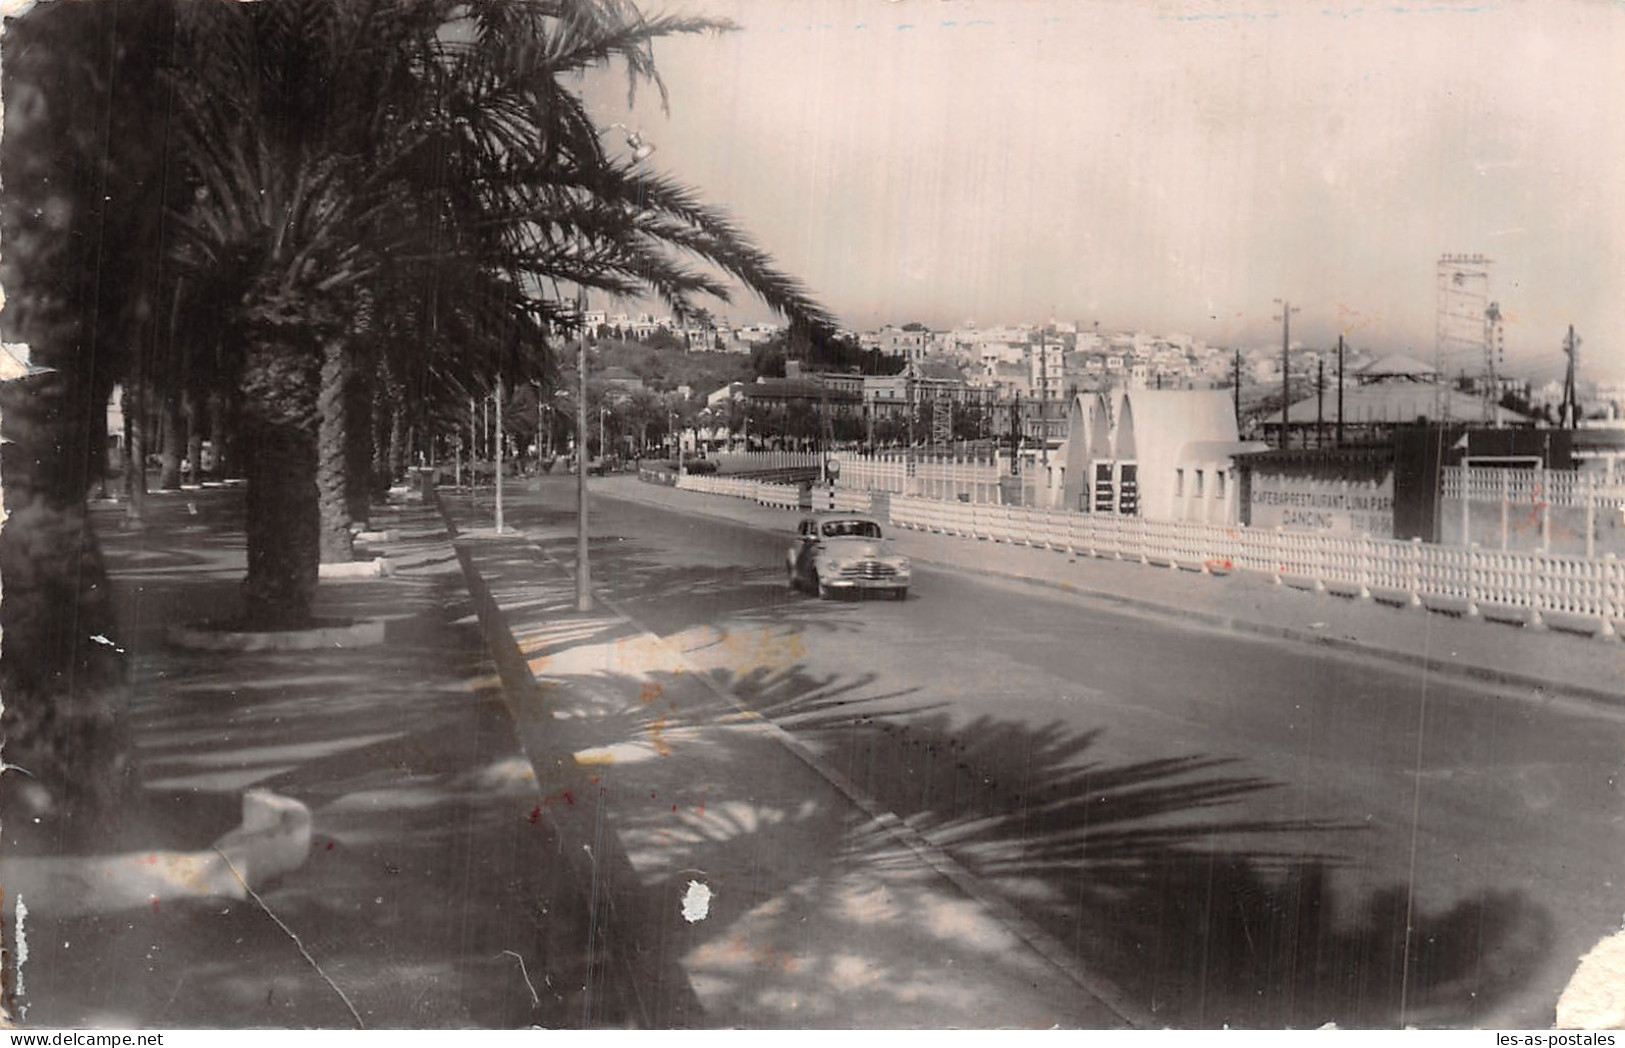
(1492, 355)
(1235, 384)
(1286, 369)
(1320, 404)
(1015, 436)
(1043, 400)
(825, 437)
(1339, 390)
(1569, 414)
(908, 400)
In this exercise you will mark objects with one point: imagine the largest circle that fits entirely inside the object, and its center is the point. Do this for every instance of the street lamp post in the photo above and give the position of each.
(500, 441)
(583, 570)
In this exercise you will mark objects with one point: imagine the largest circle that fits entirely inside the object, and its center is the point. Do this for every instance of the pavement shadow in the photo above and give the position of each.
(432, 897)
(1152, 873)
(1204, 916)
(646, 581)
(1158, 875)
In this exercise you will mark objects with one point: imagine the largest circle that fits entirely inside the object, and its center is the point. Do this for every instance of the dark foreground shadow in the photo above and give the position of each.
(1154, 874)
(433, 896)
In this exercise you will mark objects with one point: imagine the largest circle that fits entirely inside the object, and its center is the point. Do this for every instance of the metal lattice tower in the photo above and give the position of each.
(1462, 286)
(1494, 356)
(942, 420)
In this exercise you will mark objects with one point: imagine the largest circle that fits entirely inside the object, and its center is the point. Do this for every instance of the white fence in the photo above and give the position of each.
(1529, 587)
(782, 496)
(1552, 511)
(1553, 487)
(937, 479)
(1584, 592)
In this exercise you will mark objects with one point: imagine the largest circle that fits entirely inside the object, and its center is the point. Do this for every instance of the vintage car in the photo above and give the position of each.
(845, 553)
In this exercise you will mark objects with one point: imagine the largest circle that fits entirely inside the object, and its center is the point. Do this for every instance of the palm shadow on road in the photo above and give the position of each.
(1153, 874)
(650, 583)
(1175, 878)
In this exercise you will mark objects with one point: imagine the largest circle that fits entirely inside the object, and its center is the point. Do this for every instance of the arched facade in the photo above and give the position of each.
(1160, 454)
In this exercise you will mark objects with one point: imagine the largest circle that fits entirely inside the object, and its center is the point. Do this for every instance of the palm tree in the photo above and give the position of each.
(336, 147)
(80, 216)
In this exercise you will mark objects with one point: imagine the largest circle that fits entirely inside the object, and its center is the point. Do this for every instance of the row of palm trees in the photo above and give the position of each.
(313, 225)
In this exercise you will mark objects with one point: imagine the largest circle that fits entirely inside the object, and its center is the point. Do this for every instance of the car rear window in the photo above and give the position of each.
(862, 529)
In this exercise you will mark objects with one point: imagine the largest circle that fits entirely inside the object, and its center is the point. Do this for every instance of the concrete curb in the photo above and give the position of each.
(1613, 700)
(513, 669)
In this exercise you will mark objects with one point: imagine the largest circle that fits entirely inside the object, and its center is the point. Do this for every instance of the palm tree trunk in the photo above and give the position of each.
(221, 435)
(284, 515)
(382, 416)
(194, 434)
(171, 443)
(135, 450)
(358, 433)
(64, 688)
(397, 439)
(333, 448)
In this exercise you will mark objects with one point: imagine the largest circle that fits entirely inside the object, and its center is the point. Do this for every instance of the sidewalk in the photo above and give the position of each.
(429, 896)
(1540, 664)
(745, 884)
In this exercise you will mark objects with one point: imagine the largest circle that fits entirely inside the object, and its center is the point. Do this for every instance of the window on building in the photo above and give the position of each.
(1128, 496)
(1105, 490)
(1179, 483)
(1218, 484)
(1199, 479)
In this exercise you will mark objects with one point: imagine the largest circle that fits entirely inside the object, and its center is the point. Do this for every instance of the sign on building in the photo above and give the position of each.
(1340, 507)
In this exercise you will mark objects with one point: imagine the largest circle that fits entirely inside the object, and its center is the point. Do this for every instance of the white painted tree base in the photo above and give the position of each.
(355, 635)
(273, 839)
(378, 567)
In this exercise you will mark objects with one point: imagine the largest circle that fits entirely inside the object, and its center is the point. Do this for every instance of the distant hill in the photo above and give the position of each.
(665, 368)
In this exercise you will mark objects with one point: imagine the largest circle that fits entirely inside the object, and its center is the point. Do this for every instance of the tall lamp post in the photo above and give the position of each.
(501, 439)
(583, 570)
(640, 151)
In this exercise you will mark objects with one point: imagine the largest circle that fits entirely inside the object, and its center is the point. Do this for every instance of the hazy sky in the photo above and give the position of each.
(1172, 166)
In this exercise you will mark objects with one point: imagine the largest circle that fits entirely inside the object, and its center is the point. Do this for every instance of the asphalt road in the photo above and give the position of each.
(1231, 829)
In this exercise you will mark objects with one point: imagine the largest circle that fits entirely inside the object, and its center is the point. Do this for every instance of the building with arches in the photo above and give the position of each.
(1158, 454)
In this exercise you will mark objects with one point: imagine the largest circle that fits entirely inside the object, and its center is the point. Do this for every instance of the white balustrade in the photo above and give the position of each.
(1527, 586)
(1535, 487)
